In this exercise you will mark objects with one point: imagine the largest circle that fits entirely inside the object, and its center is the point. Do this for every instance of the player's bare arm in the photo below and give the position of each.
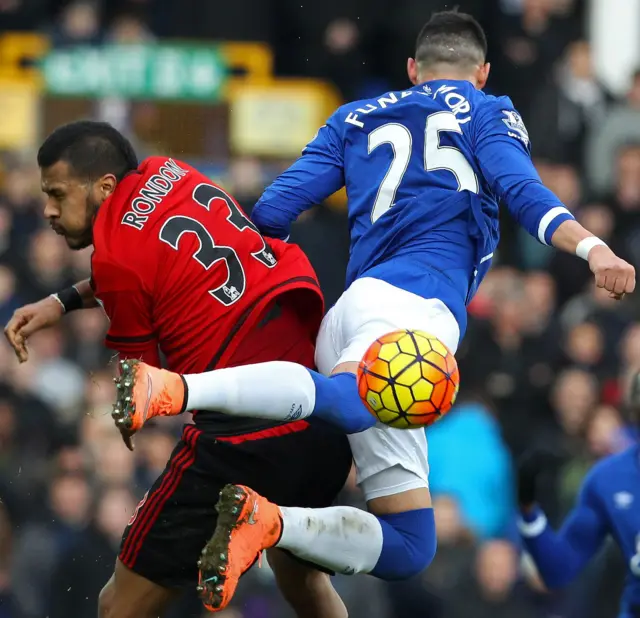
(611, 272)
(45, 313)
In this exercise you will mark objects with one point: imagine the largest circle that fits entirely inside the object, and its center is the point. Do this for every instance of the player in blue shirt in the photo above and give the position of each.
(608, 505)
(424, 169)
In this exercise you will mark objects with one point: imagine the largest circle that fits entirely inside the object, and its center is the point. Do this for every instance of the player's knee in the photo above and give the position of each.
(412, 548)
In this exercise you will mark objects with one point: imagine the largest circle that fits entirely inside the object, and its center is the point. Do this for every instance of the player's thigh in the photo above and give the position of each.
(129, 595)
(295, 464)
(371, 308)
(171, 525)
(392, 468)
(391, 465)
(174, 520)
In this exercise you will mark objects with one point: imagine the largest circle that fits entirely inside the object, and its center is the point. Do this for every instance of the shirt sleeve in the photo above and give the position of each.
(128, 308)
(316, 175)
(560, 556)
(503, 152)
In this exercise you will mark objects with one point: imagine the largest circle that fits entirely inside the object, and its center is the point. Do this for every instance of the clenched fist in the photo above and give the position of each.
(30, 319)
(612, 273)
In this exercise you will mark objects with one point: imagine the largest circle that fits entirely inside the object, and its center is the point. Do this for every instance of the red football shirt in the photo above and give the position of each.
(178, 266)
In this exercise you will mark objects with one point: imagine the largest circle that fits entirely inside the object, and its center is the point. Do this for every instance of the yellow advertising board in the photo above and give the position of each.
(19, 111)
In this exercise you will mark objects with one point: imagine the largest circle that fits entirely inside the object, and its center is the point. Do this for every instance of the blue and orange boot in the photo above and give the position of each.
(247, 525)
(144, 392)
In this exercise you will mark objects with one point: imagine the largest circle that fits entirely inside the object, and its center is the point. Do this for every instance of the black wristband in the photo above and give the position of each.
(70, 299)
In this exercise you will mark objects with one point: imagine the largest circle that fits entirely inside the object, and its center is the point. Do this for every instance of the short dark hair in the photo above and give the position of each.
(91, 148)
(451, 37)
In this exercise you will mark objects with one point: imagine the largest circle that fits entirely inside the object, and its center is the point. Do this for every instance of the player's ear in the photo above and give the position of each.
(412, 71)
(106, 185)
(482, 75)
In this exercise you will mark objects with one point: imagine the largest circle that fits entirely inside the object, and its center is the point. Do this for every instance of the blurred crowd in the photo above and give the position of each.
(545, 360)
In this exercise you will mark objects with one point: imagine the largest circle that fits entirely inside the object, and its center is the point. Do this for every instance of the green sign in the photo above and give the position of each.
(173, 72)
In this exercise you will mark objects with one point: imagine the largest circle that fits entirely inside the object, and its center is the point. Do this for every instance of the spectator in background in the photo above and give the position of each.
(78, 24)
(502, 361)
(529, 38)
(88, 562)
(6, 221)
(596, 306)
(584, 349)
(629, 351)
(468, 459)
(621, 125)
(44, 538)
(574, 397)
(625, 202)
(492, 590)
(86, 343)
(54, 378)
(29, 436)
(567, 108)
(329, 39)
(128, 29)
(46, 267)
(20, 215)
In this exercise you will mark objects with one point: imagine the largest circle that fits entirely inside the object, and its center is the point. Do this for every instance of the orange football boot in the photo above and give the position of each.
(247, 525)
(144, 392)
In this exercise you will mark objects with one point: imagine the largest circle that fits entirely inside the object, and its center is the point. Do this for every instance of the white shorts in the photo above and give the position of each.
(388, 461)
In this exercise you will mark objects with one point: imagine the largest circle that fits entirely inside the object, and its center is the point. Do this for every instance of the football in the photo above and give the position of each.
(408, 379)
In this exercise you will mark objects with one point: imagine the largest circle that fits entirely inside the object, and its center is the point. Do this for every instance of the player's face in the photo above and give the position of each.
(72, 203)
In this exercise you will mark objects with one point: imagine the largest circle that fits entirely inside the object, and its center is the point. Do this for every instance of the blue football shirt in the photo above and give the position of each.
(424, 171)
(608, 505)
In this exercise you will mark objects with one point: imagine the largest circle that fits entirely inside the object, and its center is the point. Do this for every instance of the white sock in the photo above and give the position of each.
(278, 390)
(341, 538)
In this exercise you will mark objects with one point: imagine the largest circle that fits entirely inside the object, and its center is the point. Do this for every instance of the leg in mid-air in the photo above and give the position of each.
(276, 390)
(165, 536)
(163, 540)
(396, 538)
(283, 390)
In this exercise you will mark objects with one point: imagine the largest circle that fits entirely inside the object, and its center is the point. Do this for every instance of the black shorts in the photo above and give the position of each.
(297, 464)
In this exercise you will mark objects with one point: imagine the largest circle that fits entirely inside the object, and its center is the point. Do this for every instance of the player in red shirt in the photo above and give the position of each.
(178, 267)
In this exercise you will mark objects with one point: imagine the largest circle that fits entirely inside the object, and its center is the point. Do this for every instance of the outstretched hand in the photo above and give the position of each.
(30, 319)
